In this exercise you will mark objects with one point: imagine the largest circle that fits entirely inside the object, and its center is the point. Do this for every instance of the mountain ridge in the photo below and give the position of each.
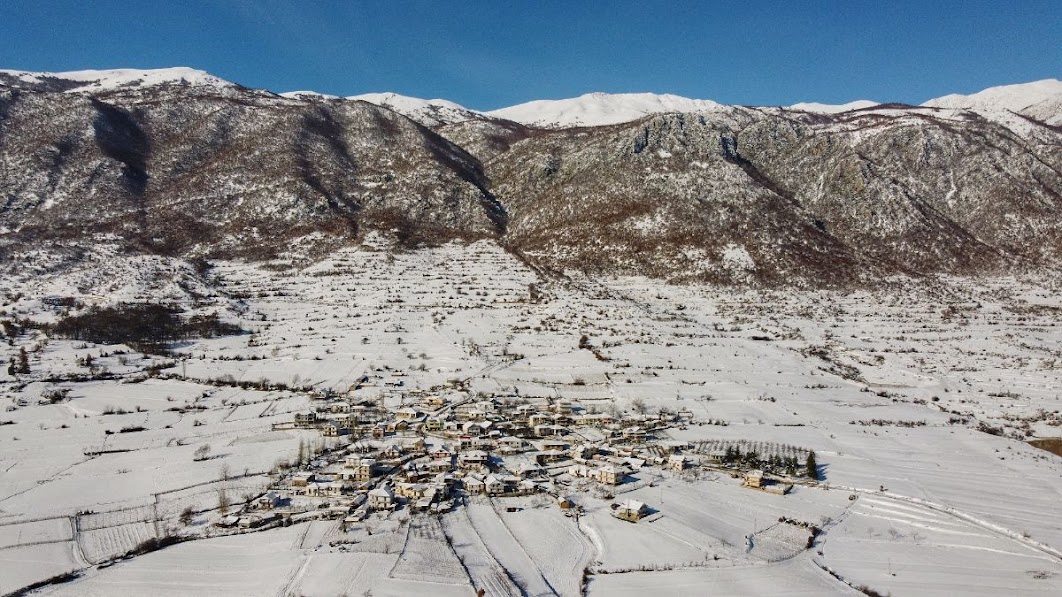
(728, 194)
(590, 109)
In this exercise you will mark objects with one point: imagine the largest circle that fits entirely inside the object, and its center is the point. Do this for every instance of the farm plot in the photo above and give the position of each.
(625, 546)
(377, 536)
(485, 572)
(253, 565)
(504, 547)
(91, 521)
(797, 577)
(904, 548)
(202, 497)
(93, 398)
(342, 573)
(317, 533)
(50, 530)
(104, 544)
(716, 516)
(554, 543)
(21, 566)
(427, 557)
(778, 542)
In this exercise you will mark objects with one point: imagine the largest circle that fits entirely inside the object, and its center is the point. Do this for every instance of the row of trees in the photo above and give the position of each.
(774, 463)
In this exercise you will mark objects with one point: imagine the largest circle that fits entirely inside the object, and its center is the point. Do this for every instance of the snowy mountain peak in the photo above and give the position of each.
(104, 80)
(395, 100)
(1014, 106)
(596, 109)
(433, 112)
(833, 108)
(308, 95)
(1005, 97)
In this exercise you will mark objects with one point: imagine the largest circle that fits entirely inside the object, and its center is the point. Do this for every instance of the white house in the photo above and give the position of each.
(474, 484)
(473, 459)
(754, 478)
(381, 498)
(495, 486)
(631, 510)
(407, 414)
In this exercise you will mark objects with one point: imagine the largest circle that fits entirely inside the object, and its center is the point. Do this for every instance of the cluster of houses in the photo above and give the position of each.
(435, 449)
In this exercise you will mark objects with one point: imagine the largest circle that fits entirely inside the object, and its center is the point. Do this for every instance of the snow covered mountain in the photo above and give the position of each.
(1006, 97)
(90, 81)
(1040, 100)
(430, 113)
(833, 108)
(220, 169)
(180, 163)
(308, 95)
(597, 109)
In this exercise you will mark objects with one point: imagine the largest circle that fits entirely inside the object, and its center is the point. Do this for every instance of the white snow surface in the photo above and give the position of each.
(833, 108)
(100, 80)
(1008, 104)
(1005, 97)
(597, 109)
(918, 415)
(307, 95)
(429, 112)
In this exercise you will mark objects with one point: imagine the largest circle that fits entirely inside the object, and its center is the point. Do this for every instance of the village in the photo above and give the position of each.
(440, 448)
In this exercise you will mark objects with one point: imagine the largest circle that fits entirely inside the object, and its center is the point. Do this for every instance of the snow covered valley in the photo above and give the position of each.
(124, 472)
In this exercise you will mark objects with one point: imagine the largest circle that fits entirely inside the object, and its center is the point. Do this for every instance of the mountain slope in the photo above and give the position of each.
(176, 170)
(833, 108)
(803, 199)
(597, 109)
(430, 113)
(1014, 98)
(661, 197)
(1011, 105)
(692, 191)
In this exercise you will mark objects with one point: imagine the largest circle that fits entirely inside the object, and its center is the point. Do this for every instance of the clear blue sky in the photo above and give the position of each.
(495, 53)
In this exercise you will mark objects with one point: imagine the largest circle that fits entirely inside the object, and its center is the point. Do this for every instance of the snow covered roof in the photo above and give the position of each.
(382, 491)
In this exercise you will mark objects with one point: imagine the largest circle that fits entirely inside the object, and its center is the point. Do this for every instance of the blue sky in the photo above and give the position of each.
(491, 54)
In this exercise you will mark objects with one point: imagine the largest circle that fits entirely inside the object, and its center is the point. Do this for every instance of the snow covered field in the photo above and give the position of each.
(916, 399)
